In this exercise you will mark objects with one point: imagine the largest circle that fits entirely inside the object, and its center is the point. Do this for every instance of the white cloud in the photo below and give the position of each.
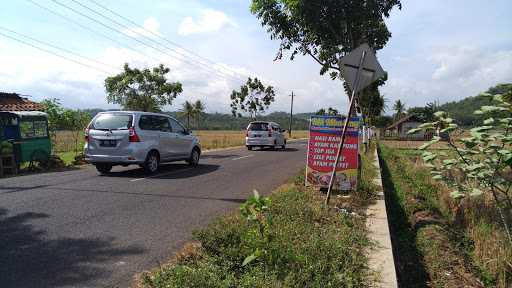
(35, 73)
(148, 29)
(209, 21)
(447, 73)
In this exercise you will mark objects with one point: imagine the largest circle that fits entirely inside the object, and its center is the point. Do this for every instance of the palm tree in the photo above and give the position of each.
(399, 108)
(198, 111)
(188, 110)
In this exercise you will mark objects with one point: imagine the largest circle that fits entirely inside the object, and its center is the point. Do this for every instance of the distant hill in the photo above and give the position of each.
(220, 121)
(462, 111)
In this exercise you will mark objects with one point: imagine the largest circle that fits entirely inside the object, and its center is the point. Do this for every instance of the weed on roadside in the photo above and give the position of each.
(307, 246)
(436, 242)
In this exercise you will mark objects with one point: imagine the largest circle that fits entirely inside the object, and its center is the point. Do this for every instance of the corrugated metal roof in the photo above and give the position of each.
(22, 114)
(412, 117)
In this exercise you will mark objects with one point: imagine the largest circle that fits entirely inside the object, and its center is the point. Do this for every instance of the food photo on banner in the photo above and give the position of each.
(324, 139)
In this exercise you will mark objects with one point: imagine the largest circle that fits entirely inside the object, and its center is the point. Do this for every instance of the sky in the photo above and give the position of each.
(439, 51)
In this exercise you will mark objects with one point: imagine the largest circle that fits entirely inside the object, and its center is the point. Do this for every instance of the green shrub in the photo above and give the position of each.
(306, 245)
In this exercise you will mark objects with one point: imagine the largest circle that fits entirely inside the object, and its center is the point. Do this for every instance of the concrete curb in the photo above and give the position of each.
(381, 257)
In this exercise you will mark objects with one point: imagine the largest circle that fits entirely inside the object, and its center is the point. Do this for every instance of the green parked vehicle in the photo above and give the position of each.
(26, 134)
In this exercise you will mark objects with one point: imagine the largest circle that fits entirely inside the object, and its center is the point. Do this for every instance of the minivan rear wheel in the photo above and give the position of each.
(103, 168)
(152, 162)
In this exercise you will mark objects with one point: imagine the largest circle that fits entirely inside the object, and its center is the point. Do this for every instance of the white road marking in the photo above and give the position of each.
(161, 174)
(238, 158)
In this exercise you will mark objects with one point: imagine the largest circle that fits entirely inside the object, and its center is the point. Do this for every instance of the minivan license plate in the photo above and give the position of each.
(108, 143)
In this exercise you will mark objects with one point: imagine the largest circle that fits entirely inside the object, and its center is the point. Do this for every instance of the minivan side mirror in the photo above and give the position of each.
(283, 130)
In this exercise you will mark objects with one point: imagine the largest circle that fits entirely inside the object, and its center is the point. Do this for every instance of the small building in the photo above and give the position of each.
(14, 102)
(399, 129)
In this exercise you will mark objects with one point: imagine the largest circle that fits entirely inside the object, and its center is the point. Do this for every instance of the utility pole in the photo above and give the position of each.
(291, 117)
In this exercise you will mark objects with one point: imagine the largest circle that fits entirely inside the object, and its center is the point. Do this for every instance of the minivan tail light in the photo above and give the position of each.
(86, 135)
(133, 135)
(269, 132)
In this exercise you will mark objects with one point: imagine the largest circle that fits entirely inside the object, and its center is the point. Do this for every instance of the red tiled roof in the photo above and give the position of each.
(14, 102)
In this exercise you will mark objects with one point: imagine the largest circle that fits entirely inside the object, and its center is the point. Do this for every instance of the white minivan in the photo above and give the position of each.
(143, 138)
(264, 134)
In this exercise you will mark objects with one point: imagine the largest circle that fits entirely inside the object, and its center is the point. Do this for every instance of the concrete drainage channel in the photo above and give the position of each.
(381, 256)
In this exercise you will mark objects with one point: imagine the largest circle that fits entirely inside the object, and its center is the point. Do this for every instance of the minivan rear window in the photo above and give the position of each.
(112, 122)
(259, 126)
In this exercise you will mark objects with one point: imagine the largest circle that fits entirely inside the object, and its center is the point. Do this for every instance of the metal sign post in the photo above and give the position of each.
(359, 69)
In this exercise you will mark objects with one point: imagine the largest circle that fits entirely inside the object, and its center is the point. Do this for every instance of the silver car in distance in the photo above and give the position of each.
(264, 134)
(143, 138)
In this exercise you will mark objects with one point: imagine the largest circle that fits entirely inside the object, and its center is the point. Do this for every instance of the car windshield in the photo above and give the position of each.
(112, 122)
(258, 126)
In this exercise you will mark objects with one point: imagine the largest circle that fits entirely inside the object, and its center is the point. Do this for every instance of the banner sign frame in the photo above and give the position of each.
(324, 137)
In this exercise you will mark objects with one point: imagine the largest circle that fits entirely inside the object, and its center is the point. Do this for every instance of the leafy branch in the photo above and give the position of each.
(484, 159)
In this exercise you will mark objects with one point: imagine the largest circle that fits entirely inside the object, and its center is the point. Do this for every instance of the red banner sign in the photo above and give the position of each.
(324, 139)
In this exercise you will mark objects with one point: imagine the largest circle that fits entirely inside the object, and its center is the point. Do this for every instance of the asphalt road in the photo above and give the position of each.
(80, 229)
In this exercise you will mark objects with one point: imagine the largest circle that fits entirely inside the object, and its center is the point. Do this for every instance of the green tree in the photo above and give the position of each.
(321, 111)
(332, 111)
(187, 110)
(54, 109)
(371, 102)
(199, 109)
(75, 121)
(382, 121)
(252, 98)
(329, 111)
(143, 90)
(425, 114)
(399, 109)
(326, 30)
(60, 118)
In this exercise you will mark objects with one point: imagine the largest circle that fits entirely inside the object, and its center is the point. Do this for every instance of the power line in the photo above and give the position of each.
(92, 30)
(139, 52)
(144, 36)
(59, 48)
(117, 31)
(163, 38)
(53, 53)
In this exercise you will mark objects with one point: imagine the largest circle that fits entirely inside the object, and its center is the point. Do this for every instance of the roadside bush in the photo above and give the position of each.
(306, 245)
(480, 165)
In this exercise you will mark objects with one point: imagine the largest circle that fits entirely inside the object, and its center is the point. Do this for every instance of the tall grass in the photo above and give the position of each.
(453, 240)
(308, 246)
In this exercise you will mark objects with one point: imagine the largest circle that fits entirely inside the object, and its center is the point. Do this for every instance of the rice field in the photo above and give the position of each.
(408, 144)
(210, 139)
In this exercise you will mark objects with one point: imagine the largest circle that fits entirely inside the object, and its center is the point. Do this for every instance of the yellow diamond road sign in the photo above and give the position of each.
(370, 70)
